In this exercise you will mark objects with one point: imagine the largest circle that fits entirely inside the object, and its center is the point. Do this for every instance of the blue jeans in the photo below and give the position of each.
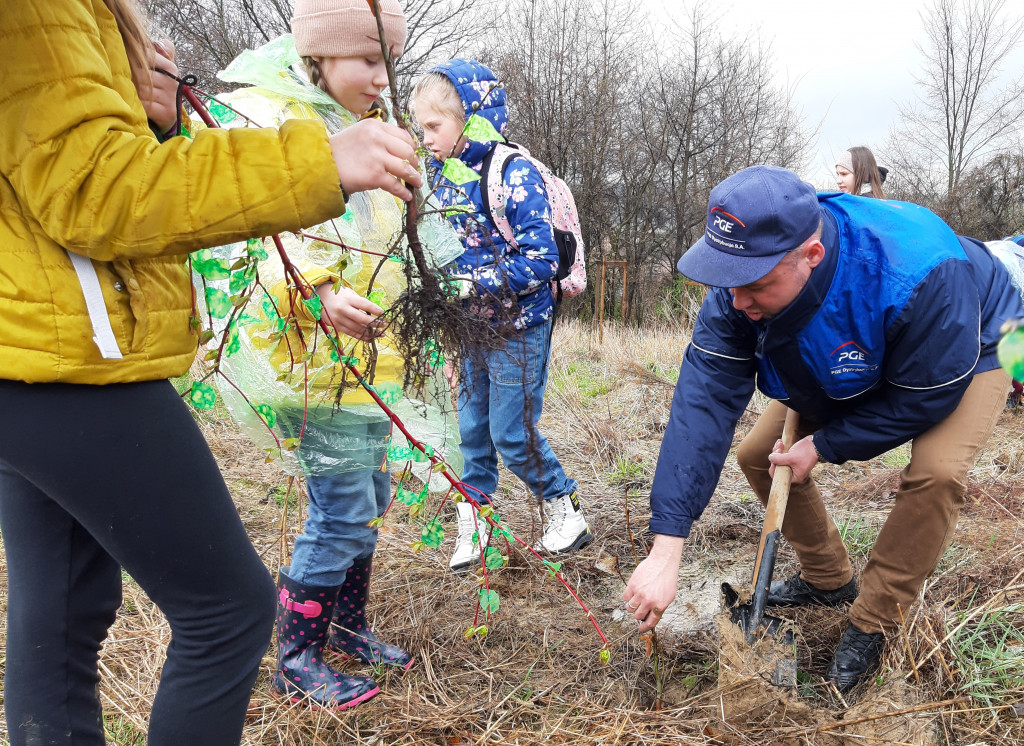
(500, 403)
(337, 530)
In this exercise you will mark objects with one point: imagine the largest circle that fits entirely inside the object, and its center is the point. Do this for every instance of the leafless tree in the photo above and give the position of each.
(962, 117)
(211, 33)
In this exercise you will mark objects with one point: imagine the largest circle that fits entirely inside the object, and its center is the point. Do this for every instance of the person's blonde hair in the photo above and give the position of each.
(137, 43)
(443, 95)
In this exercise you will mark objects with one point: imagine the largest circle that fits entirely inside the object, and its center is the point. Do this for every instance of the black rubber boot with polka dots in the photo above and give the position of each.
(351, 636)
(303, 620)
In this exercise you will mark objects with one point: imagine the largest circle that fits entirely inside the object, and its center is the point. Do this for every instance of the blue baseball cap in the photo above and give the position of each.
(754, 217)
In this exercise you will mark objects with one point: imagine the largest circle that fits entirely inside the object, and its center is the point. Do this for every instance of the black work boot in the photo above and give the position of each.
(798, 592)
(350, 634)
(858, 652)
(303, 619)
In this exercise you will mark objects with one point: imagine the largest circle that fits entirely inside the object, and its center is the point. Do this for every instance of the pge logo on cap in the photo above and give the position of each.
(722, 229)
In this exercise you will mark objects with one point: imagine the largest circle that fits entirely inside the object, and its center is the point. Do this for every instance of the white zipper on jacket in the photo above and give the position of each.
(103, 333)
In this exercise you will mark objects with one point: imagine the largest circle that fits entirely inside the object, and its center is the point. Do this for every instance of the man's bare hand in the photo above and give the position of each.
(802, 458)
(159, 98)
(652, 587)
(351, 313)
(375, 155)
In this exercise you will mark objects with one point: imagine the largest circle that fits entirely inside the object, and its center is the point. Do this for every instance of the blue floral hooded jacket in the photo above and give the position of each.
(495, 266)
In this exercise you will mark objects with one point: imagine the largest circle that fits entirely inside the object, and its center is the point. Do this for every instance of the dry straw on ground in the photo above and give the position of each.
(537, 678)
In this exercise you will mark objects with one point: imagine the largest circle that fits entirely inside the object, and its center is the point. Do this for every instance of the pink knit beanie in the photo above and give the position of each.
(346, 28)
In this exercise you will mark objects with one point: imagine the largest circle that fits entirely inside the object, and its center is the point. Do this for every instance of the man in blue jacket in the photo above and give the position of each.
(878, 325)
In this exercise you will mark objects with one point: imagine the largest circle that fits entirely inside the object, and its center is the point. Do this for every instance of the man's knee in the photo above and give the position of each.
(752, 456)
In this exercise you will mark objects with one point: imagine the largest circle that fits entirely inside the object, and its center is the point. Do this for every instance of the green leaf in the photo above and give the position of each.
(606, 656)
(218, 302)
(433, 534)
(234, 343)
(553, 567)
(458, 172)
(202, 395)
(291, 444)
(494, 559)
(389, 393)
(266, 413)
(399, 453)
(255, 248)
(489, 600)
(240, 280)
(377, 296)
(314, 305)
(205, 264)
(267, 309)
(480, 129)
(343, 359)
(406, 497)
(221, 113)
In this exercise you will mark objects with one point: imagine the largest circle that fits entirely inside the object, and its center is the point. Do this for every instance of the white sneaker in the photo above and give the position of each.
(467, 551)
(565, 528)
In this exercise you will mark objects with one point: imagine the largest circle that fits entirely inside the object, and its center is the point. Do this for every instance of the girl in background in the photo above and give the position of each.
(858, 173)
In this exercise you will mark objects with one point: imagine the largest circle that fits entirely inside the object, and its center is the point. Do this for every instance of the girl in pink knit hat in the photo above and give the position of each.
(322, 594)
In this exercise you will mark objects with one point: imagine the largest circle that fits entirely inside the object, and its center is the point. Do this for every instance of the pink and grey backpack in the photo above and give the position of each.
(571, 278)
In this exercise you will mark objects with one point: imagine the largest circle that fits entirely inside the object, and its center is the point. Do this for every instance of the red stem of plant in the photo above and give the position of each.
(304, 290)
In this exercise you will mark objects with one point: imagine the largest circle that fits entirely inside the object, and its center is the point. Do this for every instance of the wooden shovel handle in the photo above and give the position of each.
(779, 495)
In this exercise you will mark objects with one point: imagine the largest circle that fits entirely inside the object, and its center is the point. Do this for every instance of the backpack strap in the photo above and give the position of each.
(492, 171)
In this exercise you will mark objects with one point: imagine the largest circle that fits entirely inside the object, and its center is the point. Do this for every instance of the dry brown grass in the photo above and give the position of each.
(537, 678)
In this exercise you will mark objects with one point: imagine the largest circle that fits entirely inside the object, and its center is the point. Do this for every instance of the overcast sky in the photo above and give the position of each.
(849, 64)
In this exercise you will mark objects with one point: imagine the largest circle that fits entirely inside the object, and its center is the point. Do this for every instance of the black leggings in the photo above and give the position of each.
(93, 479)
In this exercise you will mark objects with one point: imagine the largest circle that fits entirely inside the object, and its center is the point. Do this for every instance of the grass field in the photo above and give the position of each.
(537, 678)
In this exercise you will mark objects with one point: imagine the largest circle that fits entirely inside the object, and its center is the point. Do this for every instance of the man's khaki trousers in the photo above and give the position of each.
(920, 525)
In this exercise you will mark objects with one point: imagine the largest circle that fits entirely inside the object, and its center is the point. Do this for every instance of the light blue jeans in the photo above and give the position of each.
(500, 402)
(341, 505)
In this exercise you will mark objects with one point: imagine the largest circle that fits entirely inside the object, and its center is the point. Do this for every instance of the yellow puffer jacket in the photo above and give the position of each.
(81, 171)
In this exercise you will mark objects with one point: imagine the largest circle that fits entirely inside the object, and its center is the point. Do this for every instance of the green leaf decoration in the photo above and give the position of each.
(399, 453)
(494, 559)
(266, 413)
(480, 129)
(395, 258)
(458, 172)
(553, 567)
(433, 534)
(314, 305)
(221, 113)
(240, 280)
(406, 497)
(254, 247)
(202, 395)
(218, 302)
(247, 319)
(343, 359)
(205, 264)
(489, 600)
(267, 309)
(389, 393)
(234, 343)
(453, 210)
(377, 296)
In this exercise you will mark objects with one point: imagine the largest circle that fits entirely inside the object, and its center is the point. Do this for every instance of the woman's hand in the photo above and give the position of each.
(160, 97)
(349, 312)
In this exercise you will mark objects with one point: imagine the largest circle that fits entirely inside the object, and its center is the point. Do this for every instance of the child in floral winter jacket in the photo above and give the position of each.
(461, 107)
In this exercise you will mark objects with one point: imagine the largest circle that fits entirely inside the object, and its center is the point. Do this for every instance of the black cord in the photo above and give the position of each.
(189, 80)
